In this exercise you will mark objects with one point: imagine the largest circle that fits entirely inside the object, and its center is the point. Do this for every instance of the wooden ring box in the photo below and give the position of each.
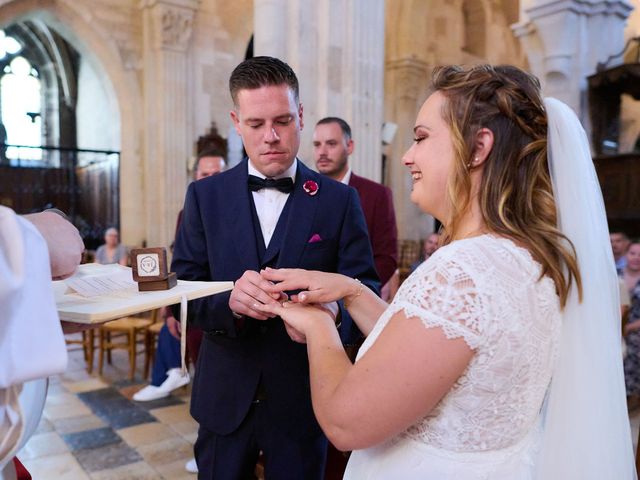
(149, 268)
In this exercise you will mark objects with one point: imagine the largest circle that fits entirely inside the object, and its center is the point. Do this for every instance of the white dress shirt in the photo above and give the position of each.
(347, 177)
(269, 202)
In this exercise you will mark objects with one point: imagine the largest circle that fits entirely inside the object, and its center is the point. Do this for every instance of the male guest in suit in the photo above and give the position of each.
(251, 388)
(332, 145)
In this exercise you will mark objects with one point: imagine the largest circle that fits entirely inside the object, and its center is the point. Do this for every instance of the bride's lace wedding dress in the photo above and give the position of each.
(487, 291)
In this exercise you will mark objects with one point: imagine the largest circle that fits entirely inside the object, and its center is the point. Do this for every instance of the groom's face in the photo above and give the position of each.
(269, 120)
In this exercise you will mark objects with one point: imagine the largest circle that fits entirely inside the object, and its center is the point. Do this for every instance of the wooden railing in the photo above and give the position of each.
(83, 183)
(619, 177)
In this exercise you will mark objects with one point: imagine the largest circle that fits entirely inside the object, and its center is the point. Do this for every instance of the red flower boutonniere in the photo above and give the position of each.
(310, 187)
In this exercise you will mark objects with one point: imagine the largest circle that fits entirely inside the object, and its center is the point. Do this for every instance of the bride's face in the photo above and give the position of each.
(430, 158)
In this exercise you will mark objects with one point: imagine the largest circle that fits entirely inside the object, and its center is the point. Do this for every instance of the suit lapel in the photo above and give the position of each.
(240, 220)
(300, 219)
(354, 182)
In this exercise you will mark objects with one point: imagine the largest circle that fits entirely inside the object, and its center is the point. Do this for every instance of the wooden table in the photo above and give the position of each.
(73, 307)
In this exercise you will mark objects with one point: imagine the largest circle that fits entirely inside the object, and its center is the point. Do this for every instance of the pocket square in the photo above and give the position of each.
(315, 238)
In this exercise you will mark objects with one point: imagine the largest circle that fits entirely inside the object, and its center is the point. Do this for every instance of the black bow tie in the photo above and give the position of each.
(285, 185)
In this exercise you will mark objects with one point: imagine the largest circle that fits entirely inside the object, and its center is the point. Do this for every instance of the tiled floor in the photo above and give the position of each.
(91, 429)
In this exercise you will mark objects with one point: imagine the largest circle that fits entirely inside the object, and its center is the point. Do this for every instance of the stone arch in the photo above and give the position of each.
(105, 56)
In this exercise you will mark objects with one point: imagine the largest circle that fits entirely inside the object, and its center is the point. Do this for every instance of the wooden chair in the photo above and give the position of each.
(409, 253)
(88, 347)
(638, 453)
(129, 328)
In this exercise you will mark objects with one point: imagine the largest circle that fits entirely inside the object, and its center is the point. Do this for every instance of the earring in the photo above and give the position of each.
(471, 164)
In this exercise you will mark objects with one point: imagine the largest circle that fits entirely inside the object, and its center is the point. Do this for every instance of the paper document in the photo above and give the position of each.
(94, 279)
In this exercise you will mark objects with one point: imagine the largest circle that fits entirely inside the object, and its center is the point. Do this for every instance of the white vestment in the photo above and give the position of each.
(32, 345)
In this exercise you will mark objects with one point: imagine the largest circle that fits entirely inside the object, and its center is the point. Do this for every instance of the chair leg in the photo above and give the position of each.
(638, 453)
(109, 349)
(90, 348)
(132, 353)
(101, 352)
(84, 346)
(147, 353)
(87, 349)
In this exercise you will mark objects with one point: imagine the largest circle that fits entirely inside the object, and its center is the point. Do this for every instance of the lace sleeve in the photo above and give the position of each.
(443, 294)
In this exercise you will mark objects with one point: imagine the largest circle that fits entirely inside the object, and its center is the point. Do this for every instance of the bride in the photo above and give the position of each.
(499, 357)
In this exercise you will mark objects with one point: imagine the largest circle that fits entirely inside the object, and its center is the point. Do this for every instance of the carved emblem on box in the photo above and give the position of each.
(149, 268)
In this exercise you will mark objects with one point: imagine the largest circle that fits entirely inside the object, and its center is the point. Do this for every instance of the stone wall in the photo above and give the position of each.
(164, 90)
(421, 34)
(163, 66)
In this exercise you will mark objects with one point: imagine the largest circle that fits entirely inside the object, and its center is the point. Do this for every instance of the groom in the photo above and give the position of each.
(251, 389)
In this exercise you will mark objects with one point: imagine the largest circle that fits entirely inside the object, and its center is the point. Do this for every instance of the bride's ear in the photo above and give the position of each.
(482, 147)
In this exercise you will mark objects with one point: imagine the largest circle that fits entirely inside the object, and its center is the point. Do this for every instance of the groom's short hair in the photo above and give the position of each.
(259, 72)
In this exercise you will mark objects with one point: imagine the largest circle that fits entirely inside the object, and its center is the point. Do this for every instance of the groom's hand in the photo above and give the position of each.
(248, 290)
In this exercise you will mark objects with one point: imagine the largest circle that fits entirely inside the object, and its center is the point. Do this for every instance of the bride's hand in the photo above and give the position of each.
(314, 286)
(299, 319)
(294, 334)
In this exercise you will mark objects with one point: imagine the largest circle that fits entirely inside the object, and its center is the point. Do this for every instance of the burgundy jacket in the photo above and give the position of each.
(377, 205)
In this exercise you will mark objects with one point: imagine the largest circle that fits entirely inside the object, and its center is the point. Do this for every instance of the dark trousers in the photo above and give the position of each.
(167, 356)
(168, 352)
(234, 456)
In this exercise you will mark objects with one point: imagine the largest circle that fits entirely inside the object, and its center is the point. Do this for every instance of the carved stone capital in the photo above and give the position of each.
(172, 22)
(543, 8)
(177, 25)
(188, 4)
(411, 76)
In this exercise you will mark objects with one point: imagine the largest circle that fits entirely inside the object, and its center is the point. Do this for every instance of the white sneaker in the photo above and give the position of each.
(174, 380)
(148, 393)
(191, 466)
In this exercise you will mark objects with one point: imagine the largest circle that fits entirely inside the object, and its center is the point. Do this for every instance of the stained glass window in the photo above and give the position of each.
(21, 101)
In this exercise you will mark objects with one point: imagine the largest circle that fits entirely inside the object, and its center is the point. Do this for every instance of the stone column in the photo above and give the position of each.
(167, 27)
(270, 24)
(365, 67)
(337, 51)
(565, 40)
(407, 78)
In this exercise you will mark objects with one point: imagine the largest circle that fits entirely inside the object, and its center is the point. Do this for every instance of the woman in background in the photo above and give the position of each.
(112, 251)
(631, 278)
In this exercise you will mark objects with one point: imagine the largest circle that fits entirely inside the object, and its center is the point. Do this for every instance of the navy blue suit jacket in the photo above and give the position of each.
(217, 242)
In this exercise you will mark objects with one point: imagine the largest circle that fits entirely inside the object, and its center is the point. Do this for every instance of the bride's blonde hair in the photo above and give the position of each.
(516, 196)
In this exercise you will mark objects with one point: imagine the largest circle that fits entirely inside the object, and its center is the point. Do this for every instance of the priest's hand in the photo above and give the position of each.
(63, 241)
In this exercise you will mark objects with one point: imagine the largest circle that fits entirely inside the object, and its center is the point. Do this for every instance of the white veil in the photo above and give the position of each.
(586, 425)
